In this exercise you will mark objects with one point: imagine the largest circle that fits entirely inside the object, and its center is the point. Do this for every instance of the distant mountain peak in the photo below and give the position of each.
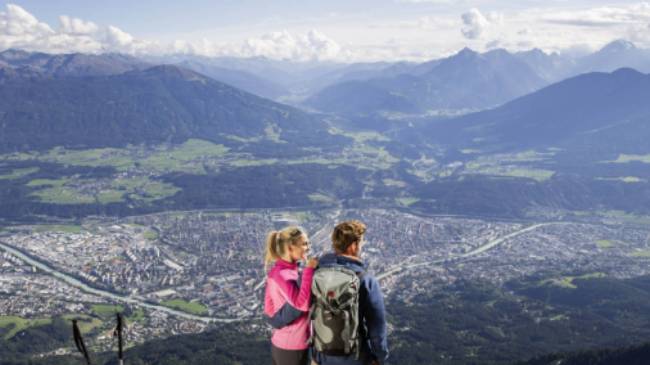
(466, 52)
(627, 71)
(172, 71)
(14, 54)
(619, 45)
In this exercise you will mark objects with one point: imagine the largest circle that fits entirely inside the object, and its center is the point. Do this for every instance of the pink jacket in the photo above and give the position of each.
(287, 305)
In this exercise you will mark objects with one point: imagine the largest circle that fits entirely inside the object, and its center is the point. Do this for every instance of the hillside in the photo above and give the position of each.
(605, 111)
(467, 80)
(158, 104)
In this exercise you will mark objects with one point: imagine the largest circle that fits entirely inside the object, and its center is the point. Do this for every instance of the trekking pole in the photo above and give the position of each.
(79, 341)
(118, 333)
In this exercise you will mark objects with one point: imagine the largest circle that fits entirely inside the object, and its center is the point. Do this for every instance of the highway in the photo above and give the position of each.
(106, 294)
(494, 243)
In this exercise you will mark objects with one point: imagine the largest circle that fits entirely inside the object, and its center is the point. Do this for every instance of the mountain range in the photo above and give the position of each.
(607, 112)
(469, 80)
(152, 105)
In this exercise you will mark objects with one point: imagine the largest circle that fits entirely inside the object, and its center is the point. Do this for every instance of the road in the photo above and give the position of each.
(141, 302)
(106, 294)
(474, 252)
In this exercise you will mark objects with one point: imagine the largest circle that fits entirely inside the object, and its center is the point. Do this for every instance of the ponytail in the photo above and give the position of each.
(271, 252)
(277, 242)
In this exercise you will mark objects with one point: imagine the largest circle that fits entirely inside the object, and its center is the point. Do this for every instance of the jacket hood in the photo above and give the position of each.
(331, 259)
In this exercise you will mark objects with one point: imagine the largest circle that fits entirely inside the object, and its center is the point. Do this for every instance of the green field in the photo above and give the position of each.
(322, 198)
(605, 243)
(103, 191)
(642, 254)
(568, 281)
(150, 235)
(58, 228)
(622, 216)
(187, 157)
(625, 179)
(16, 324)
(360, 136)
(18, 173)
(406, 202)
(138, 315)
(105, 310)
(623, 158)
(185, 306)
(85, 322)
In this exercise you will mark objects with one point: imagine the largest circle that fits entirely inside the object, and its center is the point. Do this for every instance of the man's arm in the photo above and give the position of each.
(375, 316)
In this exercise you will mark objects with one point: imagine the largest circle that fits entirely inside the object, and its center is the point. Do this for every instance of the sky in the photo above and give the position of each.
(332, 30)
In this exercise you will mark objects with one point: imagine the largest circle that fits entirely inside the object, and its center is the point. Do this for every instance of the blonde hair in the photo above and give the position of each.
(277, 242)
(347, 233)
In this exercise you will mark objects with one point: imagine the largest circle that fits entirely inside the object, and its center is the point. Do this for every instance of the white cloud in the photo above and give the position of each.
(20, 29)
(76, 26)
(607, 16)
(428, 1)
(285, 45)
(553, 26)
(474, 24)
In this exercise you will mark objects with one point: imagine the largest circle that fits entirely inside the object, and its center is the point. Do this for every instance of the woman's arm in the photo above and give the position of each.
(298, 296)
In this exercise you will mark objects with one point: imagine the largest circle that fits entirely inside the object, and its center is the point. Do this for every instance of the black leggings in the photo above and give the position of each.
(289, 357)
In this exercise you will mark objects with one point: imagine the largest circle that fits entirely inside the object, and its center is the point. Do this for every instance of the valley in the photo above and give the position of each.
(177, 272)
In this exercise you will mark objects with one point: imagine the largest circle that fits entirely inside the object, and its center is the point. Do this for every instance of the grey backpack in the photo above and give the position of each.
(335, 311)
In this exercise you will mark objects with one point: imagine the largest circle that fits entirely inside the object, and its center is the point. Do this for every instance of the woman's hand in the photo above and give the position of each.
(312, 263)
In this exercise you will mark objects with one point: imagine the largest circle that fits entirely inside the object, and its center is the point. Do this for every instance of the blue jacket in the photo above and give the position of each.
(374, 345)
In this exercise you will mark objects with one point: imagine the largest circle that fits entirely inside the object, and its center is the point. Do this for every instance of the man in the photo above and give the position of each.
(371, 345)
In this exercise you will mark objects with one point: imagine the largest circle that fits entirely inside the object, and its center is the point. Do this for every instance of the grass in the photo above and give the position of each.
(118, 158)
(88, 191)
(186, 157)
(321, 198)
(623, 158)
(47, 182)
(85, 322)
(538, 175)
(406, 202)
(604, 243)
(625, 179)
(508, 165)
(642, 254)
(392, 182)
(136, 316)
(62, 195)
(360, 137)
(105, 310)
(568, 281)
(253, 162)
(110, 196)
(150, 235)
(559, 317)
(18, 173)
(58, 228)
(18, 324)
(619, 215)
(185, 306)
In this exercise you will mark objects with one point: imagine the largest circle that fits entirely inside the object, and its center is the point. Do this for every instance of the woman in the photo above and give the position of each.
(287, 297)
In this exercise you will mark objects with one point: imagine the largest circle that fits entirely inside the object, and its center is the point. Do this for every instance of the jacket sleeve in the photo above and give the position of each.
(375, 318)
(284, 316)
(299, 296)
